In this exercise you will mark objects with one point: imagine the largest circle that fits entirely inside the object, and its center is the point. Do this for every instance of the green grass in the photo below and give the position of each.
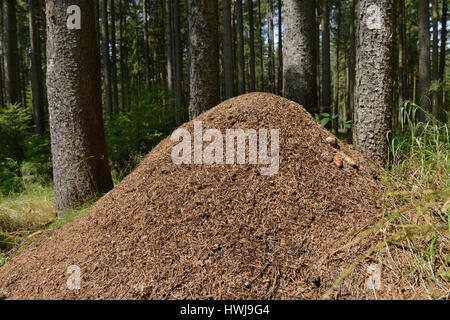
(416, 222)
(21, 215)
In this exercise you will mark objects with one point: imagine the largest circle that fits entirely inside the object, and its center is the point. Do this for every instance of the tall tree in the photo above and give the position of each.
(334, 122)
(261, 46)
(351, 63)
(402, 62)
(271, 58)
(424, 56)
(106, 59)
(299, 70)
(114, 89)
(10, 52)
(178, 62)
(443, 51)
(280, 47)
(170, 51)
(80, 160)
(373, 93)
(204, 56)
(251, 26)
(227, 48)
(326, 65)
(240, 47)
(146, 43)
(37, 93)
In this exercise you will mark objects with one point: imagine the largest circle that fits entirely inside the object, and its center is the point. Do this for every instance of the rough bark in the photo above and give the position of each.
(204, 56)
(240, 48)
(227, 48)
(80, 161)
(326, 65)
(374, 63)
(10, 52)
(424, 57)
(106, 59)
(299, 70)
(37, 93)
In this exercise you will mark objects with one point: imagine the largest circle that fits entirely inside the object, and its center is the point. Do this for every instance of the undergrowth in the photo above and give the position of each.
(415, 229)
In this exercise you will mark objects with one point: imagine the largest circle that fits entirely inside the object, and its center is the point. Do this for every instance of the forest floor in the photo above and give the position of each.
(406, 240)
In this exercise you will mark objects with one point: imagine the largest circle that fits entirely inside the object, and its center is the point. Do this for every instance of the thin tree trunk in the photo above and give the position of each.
(271, 60)
(424, 57)
(326, 64)
(178, 62)
(106, 59)
(261, 47)
(36, 68)
(351, 66)
(443, 54)
(336, 88)
(373, 93)
(115, 90)
(280, 48)
(403, 62)
(10, 52)
(80, 160)
(251, 25)
(204, 55)
(146, 49)
(240, 48)
(227, 48)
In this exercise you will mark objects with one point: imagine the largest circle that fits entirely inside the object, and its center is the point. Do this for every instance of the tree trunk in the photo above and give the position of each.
(443, 54)
(251, 25)
(240, 48)
(373, 93)
(204, 56)
(403, 62)
(10, 52)
(106, 59)
(261, 47)
(36, 71)
(170, 50)
(351, 66)
(326, 65)
(115, 90)
(334, 122)
(280, 48)
(80, 161)
(299, 70)
(146, 49)
(424, 57)
(178, 63)
(227, 48)
(271, 58)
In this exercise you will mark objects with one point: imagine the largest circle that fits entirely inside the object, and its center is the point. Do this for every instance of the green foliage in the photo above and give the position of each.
(18, 144)
(137, 130)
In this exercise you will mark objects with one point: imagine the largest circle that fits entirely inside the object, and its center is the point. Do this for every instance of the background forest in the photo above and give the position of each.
(147, 78)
